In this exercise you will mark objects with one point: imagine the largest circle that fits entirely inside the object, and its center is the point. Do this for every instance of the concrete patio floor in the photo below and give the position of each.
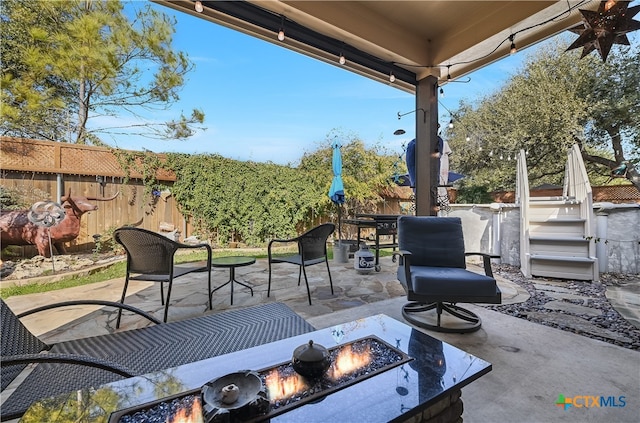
(532, 363)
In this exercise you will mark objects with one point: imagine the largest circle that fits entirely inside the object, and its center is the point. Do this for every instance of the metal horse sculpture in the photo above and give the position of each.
(17, 229)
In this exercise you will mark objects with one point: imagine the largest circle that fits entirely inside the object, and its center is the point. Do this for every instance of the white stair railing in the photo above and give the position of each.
(577, 186)
(522, 200)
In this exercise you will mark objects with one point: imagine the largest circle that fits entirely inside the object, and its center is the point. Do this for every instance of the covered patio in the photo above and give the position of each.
(417, 46)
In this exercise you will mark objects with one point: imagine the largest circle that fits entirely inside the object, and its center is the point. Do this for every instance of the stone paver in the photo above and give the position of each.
(575, 323)
(552, 287)
(567, 296)
(572, 308)
(626, 300)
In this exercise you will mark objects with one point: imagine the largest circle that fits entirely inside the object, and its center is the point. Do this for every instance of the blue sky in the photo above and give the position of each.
(264, 103)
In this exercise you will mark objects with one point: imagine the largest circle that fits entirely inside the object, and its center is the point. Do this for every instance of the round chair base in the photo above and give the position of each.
(466, 321)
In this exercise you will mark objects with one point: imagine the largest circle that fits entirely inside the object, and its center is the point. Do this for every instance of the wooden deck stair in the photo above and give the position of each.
(557, 232)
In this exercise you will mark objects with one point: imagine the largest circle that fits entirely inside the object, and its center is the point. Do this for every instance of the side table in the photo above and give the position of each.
(232, 262)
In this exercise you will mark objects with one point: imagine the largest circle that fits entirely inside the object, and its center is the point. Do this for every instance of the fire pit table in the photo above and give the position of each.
(422, 385)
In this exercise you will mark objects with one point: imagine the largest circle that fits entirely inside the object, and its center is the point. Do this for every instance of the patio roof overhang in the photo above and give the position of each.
(412, 39)
(424, 44)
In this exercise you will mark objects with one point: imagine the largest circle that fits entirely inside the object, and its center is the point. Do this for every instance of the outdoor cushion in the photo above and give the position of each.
(427, 280)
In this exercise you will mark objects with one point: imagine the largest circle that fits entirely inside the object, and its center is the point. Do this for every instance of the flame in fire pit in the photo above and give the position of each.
(281, 387)
(349, 360)
(188, 415)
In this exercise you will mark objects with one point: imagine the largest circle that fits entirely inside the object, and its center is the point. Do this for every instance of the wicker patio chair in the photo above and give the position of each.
(312, 249)
(90, 362)
(150, 257)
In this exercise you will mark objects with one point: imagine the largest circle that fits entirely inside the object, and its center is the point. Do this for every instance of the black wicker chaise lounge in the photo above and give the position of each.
(93, 361)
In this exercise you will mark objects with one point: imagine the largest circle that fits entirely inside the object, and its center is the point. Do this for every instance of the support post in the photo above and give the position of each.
(426, 146)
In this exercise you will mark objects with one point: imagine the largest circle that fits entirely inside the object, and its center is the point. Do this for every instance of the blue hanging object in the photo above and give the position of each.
(336, 192)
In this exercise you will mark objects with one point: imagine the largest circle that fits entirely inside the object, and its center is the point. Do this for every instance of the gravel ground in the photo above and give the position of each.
(609, 319)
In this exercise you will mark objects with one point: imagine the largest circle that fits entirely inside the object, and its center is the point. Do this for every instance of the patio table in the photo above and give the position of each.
(421, 389)
(231, 263)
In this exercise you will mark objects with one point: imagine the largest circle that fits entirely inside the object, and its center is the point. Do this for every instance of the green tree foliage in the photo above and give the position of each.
(244, 201)
(612, 130)
(231, 200)
(19, 198)
(364, 173)
(65, 62)
(556, 100)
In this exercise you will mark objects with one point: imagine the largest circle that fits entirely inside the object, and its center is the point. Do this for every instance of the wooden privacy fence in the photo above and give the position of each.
(37, 167)
(618, 194)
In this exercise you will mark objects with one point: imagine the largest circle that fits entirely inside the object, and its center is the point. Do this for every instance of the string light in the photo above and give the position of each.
(511, 38)
(342, 60)
(198, 5)
(513, 50)
(392, 77)
(281, 32)
(471, 134)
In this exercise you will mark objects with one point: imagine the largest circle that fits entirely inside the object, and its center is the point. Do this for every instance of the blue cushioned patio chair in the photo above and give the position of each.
(433, 272)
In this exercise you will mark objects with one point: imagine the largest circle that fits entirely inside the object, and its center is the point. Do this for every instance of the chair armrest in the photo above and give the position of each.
(82, 360)
(284, 240)
(486, 259)
(177, 246)
(405, 262)
(296, 239)
(94, 302)
(200, 245)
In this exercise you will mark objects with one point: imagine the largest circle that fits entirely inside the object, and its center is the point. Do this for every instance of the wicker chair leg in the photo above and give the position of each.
(307, 282)
(166, 306)
(124, 293)
(329, 272)
(209, 284)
